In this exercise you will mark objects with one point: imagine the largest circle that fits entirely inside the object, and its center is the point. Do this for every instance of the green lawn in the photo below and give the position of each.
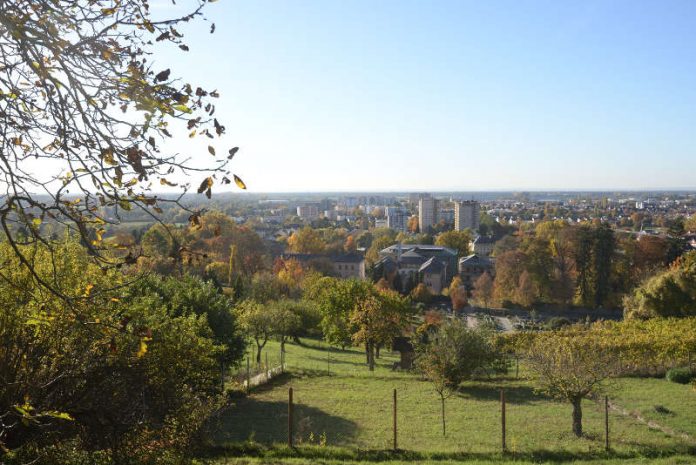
(676, 403)
(351, 409)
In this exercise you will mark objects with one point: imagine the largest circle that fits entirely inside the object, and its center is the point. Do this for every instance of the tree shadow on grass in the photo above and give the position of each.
(335, 361)
(266, 422)
(513, 394)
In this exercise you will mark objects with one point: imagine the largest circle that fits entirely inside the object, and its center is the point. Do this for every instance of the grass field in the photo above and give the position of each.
(346, 416)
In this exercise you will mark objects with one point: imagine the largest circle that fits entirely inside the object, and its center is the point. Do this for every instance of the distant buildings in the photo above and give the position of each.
(446, 215)
(397, 218)
(427, 212)
(381, 223)
(308, 212)
(466, 215)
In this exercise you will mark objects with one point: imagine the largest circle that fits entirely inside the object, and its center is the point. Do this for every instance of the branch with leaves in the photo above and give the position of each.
(85, 120)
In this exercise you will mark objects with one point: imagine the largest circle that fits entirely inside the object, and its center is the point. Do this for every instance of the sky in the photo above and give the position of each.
(386, 95)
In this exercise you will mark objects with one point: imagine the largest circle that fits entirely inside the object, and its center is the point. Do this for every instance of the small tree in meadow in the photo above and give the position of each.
(453, 354)
(571, 368)
(286, 320)
(257, 322)
(377, 319)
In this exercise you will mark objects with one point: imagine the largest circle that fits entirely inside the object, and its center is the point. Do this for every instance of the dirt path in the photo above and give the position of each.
(652, 424)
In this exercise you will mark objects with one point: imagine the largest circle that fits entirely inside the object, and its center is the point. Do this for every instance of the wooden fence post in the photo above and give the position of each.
(502, 418)
(606, 423)
(395, 428)
(290, 417)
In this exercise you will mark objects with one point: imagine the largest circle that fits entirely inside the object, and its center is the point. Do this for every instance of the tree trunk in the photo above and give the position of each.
(577, 416)
(259, 347)
(282, 344)
(371, 356)
(444, 431)
(377, 350)
(367, 353)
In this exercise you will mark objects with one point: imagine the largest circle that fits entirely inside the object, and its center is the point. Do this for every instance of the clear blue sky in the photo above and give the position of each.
(452, 95)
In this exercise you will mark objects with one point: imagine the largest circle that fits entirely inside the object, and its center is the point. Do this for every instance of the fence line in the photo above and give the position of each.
(263, 377)
(249, 376)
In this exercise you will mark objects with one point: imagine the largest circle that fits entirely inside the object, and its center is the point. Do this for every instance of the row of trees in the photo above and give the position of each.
(586, 265)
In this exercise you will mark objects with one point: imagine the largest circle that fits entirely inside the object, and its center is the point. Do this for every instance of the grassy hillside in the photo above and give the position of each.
(349, 410)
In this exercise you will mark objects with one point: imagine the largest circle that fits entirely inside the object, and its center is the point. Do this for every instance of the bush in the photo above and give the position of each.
(681, 375)
(557, 322)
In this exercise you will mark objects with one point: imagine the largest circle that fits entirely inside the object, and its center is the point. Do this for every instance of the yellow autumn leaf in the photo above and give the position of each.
(239, 182)
(88, 290)
(142, 349)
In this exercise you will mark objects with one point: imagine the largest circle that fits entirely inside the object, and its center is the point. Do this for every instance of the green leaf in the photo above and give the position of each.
(182, 108)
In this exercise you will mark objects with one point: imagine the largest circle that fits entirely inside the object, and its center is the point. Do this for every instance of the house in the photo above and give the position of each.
(349, 266)
(433, 273)
(473, 266)
(483, 245)
(344, 266)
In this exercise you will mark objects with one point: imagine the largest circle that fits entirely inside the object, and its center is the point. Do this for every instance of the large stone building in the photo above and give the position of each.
(466, 215)
(433, 265)
(427, 213)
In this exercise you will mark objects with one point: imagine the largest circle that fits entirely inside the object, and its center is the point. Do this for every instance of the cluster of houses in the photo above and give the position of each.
(407, 265)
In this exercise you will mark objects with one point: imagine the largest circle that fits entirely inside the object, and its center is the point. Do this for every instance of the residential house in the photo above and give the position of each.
(483, 245)
(472, 267)
(344, 266)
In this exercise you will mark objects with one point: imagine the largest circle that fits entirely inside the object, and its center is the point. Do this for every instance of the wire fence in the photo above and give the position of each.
(253, 372)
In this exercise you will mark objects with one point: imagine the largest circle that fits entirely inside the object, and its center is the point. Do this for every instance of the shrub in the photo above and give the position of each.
(681, 375)
(558, 322)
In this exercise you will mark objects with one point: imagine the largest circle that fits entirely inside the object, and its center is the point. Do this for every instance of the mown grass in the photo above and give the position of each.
(669, 404)
(343, 413)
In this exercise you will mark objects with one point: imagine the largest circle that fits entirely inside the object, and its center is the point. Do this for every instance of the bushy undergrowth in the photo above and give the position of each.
(681, 375)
